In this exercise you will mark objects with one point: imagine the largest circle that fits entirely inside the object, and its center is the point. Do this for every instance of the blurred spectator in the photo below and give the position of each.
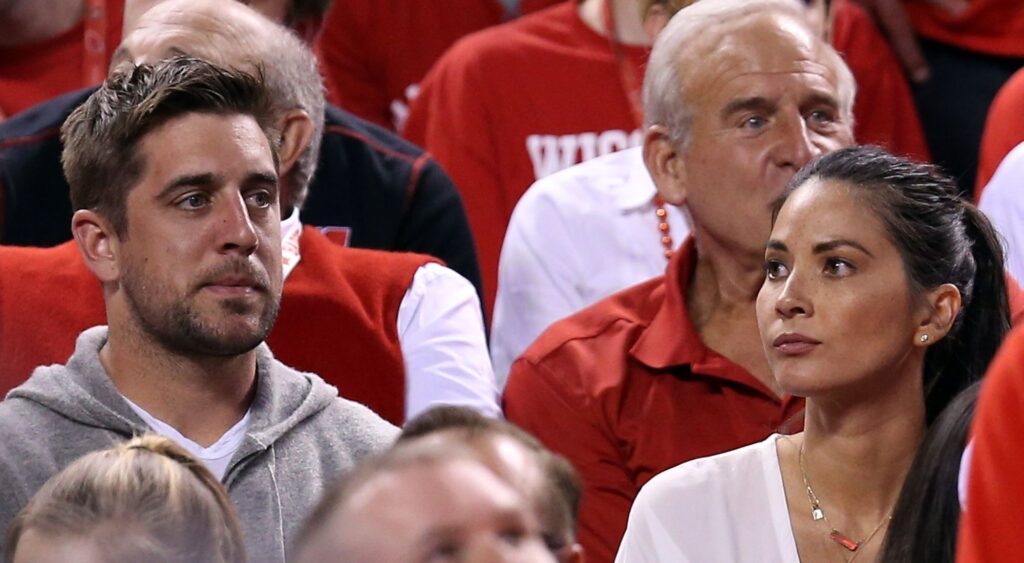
(375, 52)
(1004, 129)
(421, 502)
(995, 491)
(174, 176)
(927, 514)
(413, 323)
(50, 47)
(547, 480)
(643, 380)
(144, 500)
(513, 104)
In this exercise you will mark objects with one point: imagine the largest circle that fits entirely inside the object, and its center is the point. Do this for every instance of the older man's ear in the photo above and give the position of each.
(665, 164)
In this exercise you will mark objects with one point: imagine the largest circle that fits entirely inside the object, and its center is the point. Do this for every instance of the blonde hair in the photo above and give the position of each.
(144, 500)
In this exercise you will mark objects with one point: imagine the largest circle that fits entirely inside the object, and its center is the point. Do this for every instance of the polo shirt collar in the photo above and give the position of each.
(671, 340)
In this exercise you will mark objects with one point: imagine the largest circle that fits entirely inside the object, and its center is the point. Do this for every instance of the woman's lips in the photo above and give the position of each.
(794, 344)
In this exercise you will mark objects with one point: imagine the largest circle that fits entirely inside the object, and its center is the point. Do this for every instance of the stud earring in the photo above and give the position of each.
(924, 338)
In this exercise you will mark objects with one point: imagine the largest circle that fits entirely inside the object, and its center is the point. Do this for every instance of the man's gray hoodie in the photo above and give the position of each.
(301, 436)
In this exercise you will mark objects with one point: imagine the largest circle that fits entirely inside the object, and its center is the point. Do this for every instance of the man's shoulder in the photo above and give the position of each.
(595, 184)
(370, 137)
(604, 331)
(40, 122)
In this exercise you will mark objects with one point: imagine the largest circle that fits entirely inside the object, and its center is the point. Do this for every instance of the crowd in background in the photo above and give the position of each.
(511, 280)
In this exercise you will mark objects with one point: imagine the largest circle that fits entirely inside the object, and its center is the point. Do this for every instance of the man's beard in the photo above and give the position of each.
(175, 324)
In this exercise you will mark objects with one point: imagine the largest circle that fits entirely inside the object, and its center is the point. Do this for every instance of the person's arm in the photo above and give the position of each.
(435, 223)
(540, 398)
(538, 278)
(450, 119)
(441, 331)
(993, 518)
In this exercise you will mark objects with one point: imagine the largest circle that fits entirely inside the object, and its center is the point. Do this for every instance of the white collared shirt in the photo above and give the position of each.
(1003, 202)
(576, 237)
(441, 331)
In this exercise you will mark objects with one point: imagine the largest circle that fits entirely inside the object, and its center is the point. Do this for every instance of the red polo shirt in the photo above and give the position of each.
(1004, 129)
(626, 389)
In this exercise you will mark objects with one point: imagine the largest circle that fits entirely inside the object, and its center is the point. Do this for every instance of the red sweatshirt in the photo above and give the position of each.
(338, 315)
(375, 52)
(993, 27)
(1004, 129)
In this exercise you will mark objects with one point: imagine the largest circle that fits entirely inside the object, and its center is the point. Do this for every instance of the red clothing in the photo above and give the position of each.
(373, 51)
(31, 74)
(990, 526)
(338, 315)
(885, 114)
(993, 27)
(516, 102)
(509, 105)
(626, 389)
(1004, 129)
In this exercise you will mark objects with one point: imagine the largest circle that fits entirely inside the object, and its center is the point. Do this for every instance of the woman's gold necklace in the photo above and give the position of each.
(817, 513)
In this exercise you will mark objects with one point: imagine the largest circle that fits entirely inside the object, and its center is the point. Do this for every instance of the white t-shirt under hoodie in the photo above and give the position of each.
(729, 507)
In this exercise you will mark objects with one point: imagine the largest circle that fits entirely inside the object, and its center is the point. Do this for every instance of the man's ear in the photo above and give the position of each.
(665, 163)
(942, 306)
(296, 134)
(655, 20)
(98, 244)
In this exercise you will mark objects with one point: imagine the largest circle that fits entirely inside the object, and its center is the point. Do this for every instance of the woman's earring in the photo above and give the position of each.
(924, 338)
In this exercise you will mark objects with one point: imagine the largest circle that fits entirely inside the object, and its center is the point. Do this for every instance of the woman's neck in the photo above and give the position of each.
(857, 451)
(27, 22)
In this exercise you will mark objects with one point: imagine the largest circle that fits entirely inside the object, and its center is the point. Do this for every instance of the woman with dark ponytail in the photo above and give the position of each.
(884, 298)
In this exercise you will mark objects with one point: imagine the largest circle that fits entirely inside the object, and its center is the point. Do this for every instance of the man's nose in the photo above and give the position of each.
(796, 144)
(235, 226)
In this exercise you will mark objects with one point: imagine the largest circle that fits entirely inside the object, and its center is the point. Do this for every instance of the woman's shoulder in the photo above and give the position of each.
(726, 473)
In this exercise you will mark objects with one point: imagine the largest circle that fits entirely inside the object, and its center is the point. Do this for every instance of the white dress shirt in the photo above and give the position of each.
(728, 507)
(576, 237)
(1003, 202)
(441, 331)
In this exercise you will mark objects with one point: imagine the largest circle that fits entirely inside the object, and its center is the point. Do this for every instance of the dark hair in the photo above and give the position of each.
(942, 239)
(299, 9)
(144, 500)
(101, 159)
(927, 513)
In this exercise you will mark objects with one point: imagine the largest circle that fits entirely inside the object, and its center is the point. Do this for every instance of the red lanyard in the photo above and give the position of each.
(94, 58)
(632, 85)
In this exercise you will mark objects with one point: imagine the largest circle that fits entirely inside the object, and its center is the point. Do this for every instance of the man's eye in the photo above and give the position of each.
(775, 269)
(261, 199)
(194, 201)
(754, 122)
(821, 117)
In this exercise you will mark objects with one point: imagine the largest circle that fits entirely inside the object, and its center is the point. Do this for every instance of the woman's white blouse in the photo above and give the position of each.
(726, 508)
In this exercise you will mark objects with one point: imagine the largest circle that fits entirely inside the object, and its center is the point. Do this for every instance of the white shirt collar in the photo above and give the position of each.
(641, 191)
(291, 230)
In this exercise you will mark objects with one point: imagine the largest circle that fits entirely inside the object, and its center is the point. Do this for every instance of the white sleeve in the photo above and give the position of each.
(441, 330)
(537, 279)
(1003, 202)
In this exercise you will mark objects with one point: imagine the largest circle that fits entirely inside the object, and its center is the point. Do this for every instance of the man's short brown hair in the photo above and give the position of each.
(101, 160)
